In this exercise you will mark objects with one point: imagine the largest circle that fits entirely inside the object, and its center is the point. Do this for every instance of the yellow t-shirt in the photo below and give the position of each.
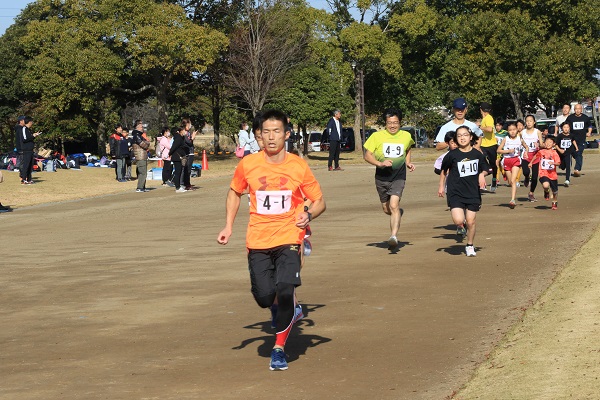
(489, 139)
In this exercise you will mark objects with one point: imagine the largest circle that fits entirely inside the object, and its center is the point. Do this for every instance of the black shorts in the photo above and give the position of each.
(456, 202)
(268, 267)
(553, 183)
(387, 189)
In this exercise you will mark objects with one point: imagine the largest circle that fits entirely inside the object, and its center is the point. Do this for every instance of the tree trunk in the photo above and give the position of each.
(216, 112)
(516, 98)
(357, 119)
(162, 84)
(101, 134)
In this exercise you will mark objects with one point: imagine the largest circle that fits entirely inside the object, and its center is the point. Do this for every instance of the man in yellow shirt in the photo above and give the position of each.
(489, 144)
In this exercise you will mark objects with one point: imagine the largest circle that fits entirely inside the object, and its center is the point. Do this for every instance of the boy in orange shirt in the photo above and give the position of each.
(549, 159)
(277, 182)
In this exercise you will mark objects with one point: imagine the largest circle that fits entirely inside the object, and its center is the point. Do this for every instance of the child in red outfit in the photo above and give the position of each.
(549, 160)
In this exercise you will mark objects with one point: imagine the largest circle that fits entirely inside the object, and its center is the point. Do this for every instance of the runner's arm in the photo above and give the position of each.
(409, 165)
(314, 210)
(232, 205)
(370, 158)
(442, 184)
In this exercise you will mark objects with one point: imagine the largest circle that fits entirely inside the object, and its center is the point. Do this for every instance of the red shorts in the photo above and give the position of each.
(511, 162)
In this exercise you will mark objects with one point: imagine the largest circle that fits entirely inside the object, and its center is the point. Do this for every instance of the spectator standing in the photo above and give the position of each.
(125, 146)
(164, 145)
(18, 140)
(334, 128)
(459, 109)
(190, 135)
(566, 111)
(581, 127)
(114, 142)
(178, 154)
(27, 146)
(3, 209)
(244, 139)
(140, 152)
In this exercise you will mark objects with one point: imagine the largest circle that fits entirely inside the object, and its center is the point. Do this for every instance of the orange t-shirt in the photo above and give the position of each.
(548, 169)
(277, 194)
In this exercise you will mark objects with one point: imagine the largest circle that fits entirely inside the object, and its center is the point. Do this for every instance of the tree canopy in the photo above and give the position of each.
(78, 67)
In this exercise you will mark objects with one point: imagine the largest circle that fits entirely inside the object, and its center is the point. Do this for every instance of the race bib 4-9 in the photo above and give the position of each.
(393, 150)
(272, 202)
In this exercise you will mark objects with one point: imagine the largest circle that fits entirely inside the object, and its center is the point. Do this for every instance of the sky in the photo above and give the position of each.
(9, 9)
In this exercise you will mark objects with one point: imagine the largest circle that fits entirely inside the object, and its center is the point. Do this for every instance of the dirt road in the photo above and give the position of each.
(105, 299)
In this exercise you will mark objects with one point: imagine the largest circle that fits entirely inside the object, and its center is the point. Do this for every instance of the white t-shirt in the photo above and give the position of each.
(451, 126)
(559, 120)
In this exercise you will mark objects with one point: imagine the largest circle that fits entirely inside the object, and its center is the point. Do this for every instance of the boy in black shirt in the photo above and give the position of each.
(566, 146)
(466, 169)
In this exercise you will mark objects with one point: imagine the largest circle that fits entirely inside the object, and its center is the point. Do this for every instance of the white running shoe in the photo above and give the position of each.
(567, 183)
(180, 190)
(392, 242)
(470, 251)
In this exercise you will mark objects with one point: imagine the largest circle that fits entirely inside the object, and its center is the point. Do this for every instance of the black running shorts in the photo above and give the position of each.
(268, 267)
(456, 202)
(553, 183)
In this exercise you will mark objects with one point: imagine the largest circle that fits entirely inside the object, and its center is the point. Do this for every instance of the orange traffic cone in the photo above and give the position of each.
(204, 161)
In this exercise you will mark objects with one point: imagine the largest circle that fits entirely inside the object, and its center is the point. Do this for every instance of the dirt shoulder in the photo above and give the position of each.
(553, 352)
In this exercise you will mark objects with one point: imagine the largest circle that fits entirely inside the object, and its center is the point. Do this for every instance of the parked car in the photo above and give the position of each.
(346, 142)
(419, 135)
(314, 141)
(368, 133)
(544, 123)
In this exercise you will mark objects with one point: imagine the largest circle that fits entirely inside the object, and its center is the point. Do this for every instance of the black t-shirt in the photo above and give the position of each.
(579, 126)
(565, 142)
(463, 174)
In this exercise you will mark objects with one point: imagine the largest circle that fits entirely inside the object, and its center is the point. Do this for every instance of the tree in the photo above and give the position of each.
(82, 56)
(263, 49)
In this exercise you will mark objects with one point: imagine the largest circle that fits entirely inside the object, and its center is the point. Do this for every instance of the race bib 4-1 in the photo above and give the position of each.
(273, 202)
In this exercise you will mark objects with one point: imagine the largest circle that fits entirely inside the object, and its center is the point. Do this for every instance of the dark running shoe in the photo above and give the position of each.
(278, 361)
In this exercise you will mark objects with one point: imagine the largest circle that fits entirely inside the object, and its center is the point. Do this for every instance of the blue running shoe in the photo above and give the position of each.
(278, 361)
(274, 316)
(298, 313)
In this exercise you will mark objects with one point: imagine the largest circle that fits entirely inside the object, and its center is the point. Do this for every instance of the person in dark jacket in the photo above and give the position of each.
(124, 153)
(27, 146)
(178, 153)
(334, 129)
(115, 152)
(18, 141)
(190, 135)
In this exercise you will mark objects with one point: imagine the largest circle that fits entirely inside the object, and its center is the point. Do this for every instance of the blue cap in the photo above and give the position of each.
(20, 117)
(459, 103)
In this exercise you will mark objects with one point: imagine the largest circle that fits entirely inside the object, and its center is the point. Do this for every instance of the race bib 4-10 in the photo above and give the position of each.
(468, 168)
